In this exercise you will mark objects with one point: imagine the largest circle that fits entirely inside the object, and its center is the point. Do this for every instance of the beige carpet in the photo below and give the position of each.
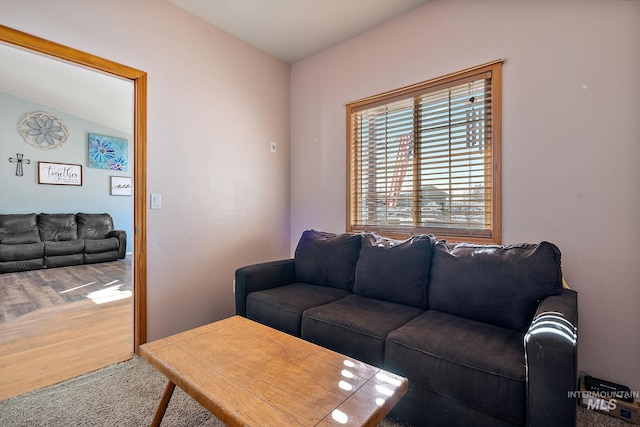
(127, 394)
(124, 394)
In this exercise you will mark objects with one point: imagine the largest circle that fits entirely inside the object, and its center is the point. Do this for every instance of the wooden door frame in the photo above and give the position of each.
(139, 80)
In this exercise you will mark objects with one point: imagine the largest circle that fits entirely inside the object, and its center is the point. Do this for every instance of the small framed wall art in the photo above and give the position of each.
(121, 186)
(108, 152)
(59, 173)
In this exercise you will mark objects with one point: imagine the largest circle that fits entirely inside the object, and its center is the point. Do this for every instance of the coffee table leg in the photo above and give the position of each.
(164, 402)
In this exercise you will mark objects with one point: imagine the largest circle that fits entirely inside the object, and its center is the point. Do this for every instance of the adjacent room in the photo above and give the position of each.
(67, 209)
(239, 142)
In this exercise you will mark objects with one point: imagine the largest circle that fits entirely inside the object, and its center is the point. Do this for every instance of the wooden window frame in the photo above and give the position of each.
(491, 235)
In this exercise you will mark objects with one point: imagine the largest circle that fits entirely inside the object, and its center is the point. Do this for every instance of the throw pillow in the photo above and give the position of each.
(327, 259)
(394, 270)
(501, 285)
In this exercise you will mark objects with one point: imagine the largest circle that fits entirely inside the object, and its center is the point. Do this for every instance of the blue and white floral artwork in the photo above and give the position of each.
(108, 152)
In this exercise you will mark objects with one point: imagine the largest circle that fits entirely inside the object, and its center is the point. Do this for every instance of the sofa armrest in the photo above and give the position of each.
(122, 242)
(262, 276)
(551, 345)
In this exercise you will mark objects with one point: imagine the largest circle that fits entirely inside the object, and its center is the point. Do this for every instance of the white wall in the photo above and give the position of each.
(570, 139)
(214, 104)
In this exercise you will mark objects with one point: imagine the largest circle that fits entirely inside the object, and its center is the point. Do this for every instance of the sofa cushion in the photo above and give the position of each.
(66, 247)
(394, 270)
(63, 253)
(282, 307)
(18, 229)
(501, 285)
(94, 226)
(25, 251)
(57, 227)
(475, 363)
(356, 326)
(21, 265)
(327, 259)
(100, 257)
(101, 245)
(63, 260)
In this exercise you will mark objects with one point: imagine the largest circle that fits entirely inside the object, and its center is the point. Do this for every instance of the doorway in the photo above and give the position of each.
(137, 79)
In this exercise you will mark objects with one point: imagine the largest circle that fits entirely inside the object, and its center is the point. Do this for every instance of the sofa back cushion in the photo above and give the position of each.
(94, 226)
(57, 227)
(17, 229)
(327, 259)
(394, 270)
(501, 285)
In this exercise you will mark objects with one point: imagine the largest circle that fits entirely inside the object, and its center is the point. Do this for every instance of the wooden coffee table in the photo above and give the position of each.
(248, 374)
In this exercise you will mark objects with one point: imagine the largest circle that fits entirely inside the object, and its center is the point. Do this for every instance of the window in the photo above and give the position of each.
(426, 158)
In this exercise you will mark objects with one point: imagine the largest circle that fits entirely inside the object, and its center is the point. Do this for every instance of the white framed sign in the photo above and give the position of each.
(59, 173)
(121, 186)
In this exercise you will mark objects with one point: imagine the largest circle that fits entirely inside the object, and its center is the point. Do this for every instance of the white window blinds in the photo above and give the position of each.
(424, 159)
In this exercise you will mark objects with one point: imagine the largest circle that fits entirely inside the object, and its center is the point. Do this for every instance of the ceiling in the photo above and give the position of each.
(90, 95)
(292, 30)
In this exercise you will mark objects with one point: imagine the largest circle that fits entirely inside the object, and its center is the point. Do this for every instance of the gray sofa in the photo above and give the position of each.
(486, 334)
(35, 241)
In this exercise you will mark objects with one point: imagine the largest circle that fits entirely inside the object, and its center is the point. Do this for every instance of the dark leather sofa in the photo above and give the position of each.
(35, 241)
(486, 334)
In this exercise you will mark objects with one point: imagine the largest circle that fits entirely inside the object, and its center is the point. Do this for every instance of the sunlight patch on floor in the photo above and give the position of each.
(77, 287)
(112, 293)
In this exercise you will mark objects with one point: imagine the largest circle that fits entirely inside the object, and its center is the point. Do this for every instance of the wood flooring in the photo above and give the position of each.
(61, 339)
(27, 291)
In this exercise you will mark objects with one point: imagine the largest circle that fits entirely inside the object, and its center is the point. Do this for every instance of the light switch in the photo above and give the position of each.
(156, 201)
(274, 147)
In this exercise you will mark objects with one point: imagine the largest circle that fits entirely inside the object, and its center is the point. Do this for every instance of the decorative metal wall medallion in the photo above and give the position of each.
(43, 130)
